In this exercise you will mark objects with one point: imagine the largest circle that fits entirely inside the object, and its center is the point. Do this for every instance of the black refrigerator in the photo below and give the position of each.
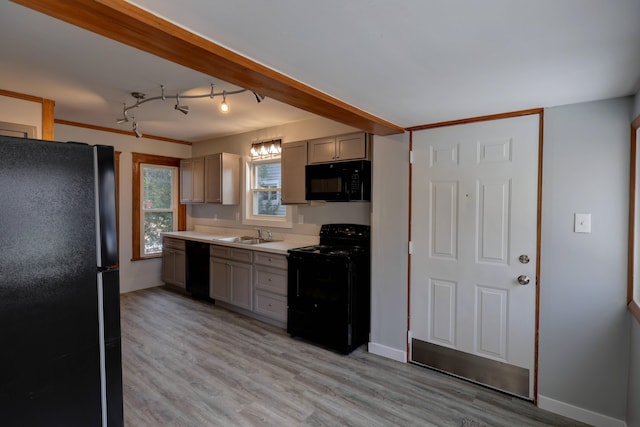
(60, 354)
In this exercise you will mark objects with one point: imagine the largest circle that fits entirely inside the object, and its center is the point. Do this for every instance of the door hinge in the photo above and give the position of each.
(411, 157)
(410, 247)
(409, 337)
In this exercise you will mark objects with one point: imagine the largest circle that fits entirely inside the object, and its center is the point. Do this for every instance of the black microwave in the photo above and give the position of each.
(339, 182)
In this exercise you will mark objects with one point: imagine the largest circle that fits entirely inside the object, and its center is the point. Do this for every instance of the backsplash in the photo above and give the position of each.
(307, 219)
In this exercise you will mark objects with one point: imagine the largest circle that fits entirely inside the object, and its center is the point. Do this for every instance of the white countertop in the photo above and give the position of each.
(280, 247)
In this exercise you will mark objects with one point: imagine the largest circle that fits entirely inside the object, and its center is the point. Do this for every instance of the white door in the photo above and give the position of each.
(474, 233)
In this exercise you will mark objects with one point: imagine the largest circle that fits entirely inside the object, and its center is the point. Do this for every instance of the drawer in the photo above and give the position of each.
(270, 279)
(235, 254)
(271, 260)
(219, 251)
(170, 243)
(241, 255)
(271, 305)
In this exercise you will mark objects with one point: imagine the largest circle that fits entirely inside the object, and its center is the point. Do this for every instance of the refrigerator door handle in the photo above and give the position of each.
(105, 183)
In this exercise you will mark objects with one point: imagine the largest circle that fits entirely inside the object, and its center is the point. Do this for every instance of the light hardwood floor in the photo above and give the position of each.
(189, 363)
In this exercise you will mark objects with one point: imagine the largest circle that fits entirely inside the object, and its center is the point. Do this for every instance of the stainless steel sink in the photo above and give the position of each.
(247, 240)
(226, 239)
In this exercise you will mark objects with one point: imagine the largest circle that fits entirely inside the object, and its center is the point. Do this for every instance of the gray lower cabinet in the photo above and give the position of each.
(173, 261)
(230, 276)
(270, 285)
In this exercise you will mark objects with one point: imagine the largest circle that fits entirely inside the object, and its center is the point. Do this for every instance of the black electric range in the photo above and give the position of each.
(329, 288)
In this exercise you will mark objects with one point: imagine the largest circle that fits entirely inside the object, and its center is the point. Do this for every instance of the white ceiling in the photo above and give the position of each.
(410, 62)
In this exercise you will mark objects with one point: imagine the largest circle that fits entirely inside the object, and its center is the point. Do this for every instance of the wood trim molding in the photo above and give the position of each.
(23, 96)
(118, 131)
(538, 252)
(137, 159)
(477, 119)
(136, 27)
(47, 111)
(48, 107)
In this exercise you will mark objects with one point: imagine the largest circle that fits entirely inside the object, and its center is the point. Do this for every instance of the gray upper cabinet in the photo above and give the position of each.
(192, 180)
(322, 150)
(293, 160)
(211, 179)
(222, 178)
(353, 146)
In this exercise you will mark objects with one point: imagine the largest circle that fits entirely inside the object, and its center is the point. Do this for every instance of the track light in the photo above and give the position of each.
(184, 109)
(135, 129)
(224, 107)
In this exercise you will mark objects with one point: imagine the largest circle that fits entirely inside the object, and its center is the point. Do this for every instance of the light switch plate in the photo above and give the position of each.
(582, 223)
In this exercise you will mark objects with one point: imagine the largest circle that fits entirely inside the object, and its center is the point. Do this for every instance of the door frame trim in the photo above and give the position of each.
(533, 111)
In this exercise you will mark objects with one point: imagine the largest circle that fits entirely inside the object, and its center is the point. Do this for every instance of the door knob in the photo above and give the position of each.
(523, 280)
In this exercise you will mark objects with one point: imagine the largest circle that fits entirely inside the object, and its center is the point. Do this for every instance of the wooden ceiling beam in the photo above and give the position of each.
(135, 27)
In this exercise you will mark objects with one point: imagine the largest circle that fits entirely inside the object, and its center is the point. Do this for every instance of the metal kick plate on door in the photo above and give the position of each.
(524, 259)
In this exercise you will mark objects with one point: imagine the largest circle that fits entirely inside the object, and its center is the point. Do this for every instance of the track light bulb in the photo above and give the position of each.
(224, 107)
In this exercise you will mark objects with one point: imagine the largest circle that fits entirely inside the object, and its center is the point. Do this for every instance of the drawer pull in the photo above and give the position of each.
(270, 279)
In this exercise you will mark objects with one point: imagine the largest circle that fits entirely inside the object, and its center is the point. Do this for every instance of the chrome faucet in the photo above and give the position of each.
(269, 236)
(259, 233)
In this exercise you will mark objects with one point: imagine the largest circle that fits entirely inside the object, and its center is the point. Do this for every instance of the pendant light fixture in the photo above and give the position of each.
(266, 149)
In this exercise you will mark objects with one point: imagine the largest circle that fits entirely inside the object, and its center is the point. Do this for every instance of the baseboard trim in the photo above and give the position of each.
(388, 352)
(577, 413)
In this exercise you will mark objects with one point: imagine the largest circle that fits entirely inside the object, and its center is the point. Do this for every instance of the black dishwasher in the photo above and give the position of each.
(198, 269)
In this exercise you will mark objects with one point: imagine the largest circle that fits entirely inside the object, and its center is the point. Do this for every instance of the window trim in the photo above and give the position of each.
(137, 159)
(248, 218)
(175, 204)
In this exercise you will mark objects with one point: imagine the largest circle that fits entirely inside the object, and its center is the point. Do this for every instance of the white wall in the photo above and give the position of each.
(21, 111)
(389, 260)
(584, 323)
(134, 275)
(312, 216)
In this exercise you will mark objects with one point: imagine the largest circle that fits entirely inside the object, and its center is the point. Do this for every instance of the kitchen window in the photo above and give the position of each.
(263, 196)
(156, 207)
